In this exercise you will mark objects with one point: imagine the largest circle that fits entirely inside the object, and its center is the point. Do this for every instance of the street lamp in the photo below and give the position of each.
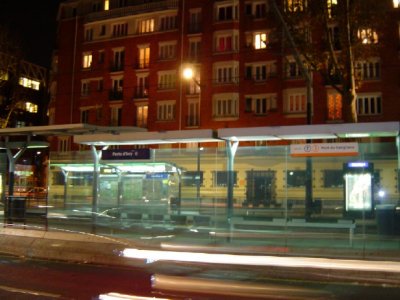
(188, 73)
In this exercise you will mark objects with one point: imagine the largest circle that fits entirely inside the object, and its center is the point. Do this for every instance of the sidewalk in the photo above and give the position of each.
(88, 248)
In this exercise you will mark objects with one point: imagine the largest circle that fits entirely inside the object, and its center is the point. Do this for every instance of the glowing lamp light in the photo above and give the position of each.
(187, 73)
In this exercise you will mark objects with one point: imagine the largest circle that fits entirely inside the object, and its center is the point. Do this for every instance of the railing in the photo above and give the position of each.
(115, 95)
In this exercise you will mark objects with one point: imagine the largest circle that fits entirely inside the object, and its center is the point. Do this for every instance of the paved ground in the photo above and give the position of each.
(82, 247)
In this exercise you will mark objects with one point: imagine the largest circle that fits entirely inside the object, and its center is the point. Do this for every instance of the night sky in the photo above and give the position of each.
(33, 23)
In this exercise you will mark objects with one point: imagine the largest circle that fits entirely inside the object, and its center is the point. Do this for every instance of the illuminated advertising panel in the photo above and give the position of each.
(358, 178)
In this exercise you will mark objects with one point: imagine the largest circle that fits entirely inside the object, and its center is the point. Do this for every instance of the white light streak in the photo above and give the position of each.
(262, 260)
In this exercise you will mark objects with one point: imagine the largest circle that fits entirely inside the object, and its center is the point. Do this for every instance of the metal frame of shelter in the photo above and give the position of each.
(103, 137)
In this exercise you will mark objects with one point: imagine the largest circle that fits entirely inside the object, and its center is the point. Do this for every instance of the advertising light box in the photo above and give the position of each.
(358, 179)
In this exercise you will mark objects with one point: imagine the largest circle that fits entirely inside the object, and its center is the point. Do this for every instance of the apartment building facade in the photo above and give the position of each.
(119, 63)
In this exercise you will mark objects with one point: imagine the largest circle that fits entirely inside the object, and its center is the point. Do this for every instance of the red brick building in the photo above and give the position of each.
(119, 63)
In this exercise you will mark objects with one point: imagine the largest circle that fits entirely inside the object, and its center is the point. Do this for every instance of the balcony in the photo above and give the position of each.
(141, 92)
(194, 28)
(142, 64)
(116, 67)
(115, 95)
(132, 10)
(192, 121)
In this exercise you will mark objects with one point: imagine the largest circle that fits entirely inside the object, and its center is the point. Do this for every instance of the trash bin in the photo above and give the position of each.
(16, 208)
(385, 218)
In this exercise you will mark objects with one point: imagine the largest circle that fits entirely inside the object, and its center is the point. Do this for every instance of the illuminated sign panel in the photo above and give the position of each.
(324, 149)
(125, 154)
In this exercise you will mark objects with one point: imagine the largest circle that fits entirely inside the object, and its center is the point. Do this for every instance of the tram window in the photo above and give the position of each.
(190, 178)
(333, 178)
(296, 178)
(221, 178)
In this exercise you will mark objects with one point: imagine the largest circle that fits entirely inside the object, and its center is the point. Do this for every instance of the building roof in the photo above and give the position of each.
(101, 135)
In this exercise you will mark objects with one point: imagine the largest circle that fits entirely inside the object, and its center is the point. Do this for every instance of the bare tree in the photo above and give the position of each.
(10, 57)
(350, 31)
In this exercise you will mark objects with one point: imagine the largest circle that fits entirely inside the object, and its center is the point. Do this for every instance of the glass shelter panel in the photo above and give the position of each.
(275, 199)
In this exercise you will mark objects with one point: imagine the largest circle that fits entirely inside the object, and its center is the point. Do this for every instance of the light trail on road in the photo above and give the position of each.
(262, 260)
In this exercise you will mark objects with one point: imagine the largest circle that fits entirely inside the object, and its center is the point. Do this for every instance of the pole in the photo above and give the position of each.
(308, 78)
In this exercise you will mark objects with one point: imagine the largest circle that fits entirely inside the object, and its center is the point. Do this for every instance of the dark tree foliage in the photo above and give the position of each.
(351, 31)
(10, 56)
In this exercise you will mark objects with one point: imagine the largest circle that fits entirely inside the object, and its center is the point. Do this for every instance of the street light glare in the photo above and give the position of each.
(188, 73)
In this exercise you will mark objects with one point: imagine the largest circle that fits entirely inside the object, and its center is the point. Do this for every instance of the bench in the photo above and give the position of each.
(295, 223)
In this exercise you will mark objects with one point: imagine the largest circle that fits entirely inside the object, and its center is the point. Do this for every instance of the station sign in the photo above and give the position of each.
(324, 149)
(157, 176)
(125, 154)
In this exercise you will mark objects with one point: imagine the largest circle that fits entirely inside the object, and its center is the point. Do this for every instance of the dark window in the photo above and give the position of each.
(333, 178)
(103, 30)
(248, 9)
(221, 178)
(248, 72)
(248, 104)
(192, 178)
(296, 178)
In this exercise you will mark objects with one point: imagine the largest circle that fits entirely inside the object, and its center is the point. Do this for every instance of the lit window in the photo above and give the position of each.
(29, 83)
(145, 26)
(334, 106)
(260, 40)
(141, 116)
(295, 5)
(396, 3)
(367, 36)
(144, 57)
(332, 5)
(87, 60)
(106, 4)
(28, 107)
